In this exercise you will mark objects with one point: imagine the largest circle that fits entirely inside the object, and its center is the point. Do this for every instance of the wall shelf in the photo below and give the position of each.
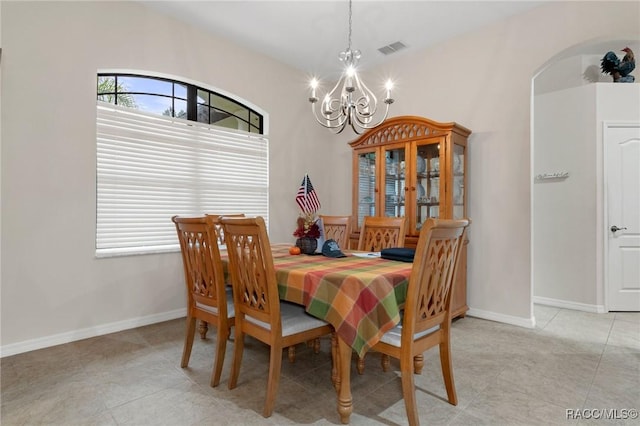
(552, 176)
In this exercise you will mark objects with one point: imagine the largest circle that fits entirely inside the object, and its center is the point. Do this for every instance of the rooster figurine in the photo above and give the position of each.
(619, 70)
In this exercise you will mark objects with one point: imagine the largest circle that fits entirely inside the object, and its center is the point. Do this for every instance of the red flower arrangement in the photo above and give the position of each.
(307, 227)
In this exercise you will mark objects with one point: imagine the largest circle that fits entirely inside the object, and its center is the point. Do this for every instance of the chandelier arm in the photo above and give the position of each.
(327, 111)
(330, 112)
(368, 124)
(335, 88)
(331, 98)
(368, 93)
(329, 122)
(365, 106)
(362, 111)
(356, 130)
(324, 121)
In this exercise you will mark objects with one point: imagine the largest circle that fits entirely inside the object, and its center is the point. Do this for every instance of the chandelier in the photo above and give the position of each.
(350, 102)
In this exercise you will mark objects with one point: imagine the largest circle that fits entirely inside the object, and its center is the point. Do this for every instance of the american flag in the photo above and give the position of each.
(307, 198)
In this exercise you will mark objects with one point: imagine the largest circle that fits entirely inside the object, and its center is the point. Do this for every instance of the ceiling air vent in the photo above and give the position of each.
(392, 48)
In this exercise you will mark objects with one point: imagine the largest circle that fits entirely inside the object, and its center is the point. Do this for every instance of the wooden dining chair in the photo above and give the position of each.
(203, 329)
(337, 228)
(259, 312)
(378, 233)
(203, 325)
(427, 311)
(207, 296)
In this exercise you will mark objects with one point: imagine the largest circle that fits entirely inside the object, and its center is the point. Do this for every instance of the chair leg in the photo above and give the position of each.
(315, 344)
(385, 362)
(238, 348)
(204, 327)
(409, 391)
(360, 365)
(447, 371)
(291, 353)
(188, 341)
(275, 365)
(418, 363)
(221, 347)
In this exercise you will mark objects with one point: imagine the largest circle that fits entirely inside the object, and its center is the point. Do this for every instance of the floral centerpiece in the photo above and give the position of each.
(307, 232)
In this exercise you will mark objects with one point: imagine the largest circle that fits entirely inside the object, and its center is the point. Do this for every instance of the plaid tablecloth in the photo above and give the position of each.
(359, 296)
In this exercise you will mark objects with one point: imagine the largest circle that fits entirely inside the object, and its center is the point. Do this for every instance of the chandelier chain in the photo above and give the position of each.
(350, 23)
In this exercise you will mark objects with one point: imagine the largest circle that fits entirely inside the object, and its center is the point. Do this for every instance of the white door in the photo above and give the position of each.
(622, 156)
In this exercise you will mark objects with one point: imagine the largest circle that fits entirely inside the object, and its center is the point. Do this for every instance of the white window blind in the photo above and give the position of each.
(150, 168)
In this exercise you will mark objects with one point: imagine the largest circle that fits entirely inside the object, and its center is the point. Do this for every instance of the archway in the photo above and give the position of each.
(566, 165)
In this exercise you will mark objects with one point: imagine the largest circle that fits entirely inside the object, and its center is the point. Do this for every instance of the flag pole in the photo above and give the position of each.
(306, 184)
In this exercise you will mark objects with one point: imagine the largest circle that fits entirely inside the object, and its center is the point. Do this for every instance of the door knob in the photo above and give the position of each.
(615, 228)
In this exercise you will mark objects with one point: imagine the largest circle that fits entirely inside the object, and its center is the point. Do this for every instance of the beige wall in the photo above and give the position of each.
(53, 289)
(51, 51)
(564, 218)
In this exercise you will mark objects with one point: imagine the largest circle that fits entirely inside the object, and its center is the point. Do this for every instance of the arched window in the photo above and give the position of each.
(173, 98)
(167, 148)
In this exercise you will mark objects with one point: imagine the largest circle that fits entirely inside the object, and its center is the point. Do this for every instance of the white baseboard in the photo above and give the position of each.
(507, 319)
(72, 336)
(556, 303)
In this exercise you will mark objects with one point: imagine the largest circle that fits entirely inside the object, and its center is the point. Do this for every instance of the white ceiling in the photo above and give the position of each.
(308, 35)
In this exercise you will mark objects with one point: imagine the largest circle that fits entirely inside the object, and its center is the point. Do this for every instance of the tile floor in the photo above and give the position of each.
(505, 375)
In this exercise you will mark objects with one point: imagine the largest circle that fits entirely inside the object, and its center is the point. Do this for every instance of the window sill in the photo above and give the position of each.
(136, 251)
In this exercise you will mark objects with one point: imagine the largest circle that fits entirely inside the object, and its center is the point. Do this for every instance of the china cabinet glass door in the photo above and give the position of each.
(366, 185)
(458, 182)
(427, 172)
(394, 181)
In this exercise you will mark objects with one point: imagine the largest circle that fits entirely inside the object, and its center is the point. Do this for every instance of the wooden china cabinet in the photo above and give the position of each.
(413, 167)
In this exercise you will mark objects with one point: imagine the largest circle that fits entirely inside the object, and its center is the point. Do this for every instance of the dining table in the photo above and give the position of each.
(360, 295)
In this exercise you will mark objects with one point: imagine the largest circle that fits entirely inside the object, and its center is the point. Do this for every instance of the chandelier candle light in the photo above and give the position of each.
(355, 104)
